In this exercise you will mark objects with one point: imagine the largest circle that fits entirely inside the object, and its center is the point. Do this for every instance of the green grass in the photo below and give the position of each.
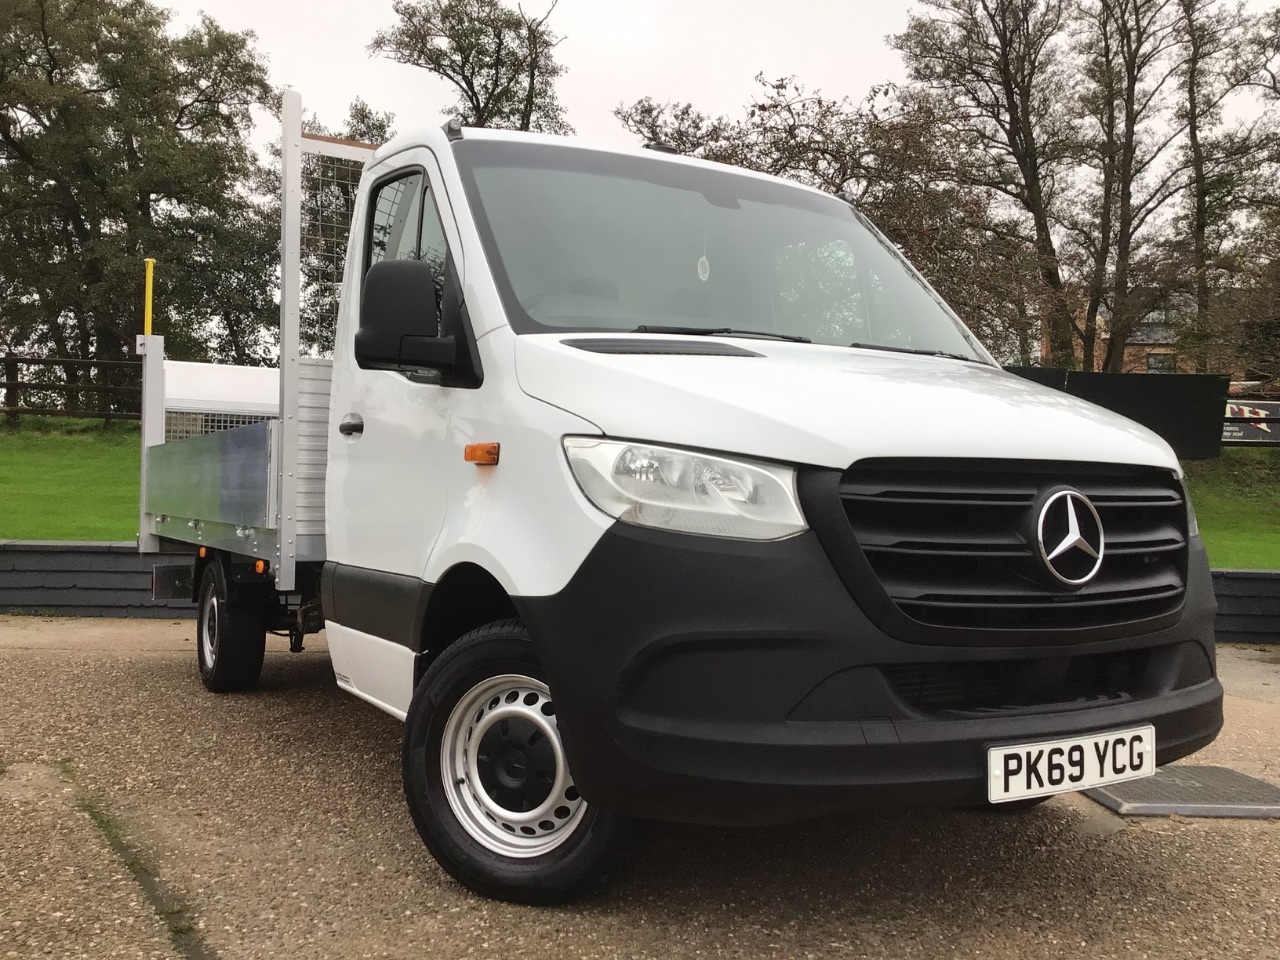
(68, 480)
(75, 480)
(1237, 501)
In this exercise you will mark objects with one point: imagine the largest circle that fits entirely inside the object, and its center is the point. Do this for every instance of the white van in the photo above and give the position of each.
(652, 488)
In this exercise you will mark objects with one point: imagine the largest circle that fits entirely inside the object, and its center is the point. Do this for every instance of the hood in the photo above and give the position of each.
(826, 406)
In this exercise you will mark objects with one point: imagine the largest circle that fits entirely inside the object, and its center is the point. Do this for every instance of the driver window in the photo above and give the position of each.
(394, 225)
(405, 225)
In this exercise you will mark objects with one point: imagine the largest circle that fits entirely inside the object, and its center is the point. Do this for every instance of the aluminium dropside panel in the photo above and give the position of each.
(218, 490)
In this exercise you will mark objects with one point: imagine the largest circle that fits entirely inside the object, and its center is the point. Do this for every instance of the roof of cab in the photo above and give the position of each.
(434, 136)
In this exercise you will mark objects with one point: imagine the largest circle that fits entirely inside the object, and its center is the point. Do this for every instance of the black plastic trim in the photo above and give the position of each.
(397, 309)
(819, 492)
(387, 605)
(328, 600)
(646, 345)
(684, 671)
(455, 321)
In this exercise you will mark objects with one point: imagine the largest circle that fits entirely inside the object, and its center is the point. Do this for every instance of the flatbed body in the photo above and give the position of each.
(225, 489)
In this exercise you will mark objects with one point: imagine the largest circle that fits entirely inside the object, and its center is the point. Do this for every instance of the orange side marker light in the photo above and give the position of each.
(484, 454)
(259, 566)
(202, 552)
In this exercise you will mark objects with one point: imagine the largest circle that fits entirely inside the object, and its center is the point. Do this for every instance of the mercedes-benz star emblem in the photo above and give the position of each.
(1070, 537)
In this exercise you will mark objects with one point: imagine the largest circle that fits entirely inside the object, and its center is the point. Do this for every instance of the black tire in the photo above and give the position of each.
(231, 633)
(591, 844)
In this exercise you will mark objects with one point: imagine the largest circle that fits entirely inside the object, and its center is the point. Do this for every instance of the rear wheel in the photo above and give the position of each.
(231, 632)
(486, 779)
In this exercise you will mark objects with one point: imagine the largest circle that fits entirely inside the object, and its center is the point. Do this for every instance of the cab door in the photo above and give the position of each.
(386, 479)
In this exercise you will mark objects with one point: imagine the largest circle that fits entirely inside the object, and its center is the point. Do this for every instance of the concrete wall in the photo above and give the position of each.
(114, 580)
(81, 580)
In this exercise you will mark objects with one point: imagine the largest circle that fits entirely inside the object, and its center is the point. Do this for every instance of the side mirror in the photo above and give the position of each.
(399, 319)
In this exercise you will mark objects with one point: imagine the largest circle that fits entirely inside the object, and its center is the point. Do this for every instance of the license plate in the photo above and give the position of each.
(1021, 770)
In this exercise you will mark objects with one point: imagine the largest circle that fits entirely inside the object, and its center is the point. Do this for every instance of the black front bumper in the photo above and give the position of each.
(730, 682)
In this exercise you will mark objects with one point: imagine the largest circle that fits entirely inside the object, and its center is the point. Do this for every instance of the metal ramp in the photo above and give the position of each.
(1192, 792)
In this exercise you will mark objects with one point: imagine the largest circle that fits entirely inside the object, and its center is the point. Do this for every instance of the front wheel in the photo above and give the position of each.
(486, 779)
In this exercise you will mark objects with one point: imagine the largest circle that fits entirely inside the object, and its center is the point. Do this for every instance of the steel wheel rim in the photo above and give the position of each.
(209, 627)
(489, 756)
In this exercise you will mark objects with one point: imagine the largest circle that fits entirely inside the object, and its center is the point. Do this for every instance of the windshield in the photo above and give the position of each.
(581, 240)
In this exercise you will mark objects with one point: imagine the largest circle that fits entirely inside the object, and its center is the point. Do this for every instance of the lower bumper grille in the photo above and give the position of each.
(1000, 686)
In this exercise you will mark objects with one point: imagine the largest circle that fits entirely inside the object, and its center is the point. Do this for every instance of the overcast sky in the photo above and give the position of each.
(702, 51)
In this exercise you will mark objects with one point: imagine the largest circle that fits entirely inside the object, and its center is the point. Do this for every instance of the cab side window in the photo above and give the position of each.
(394, 226)
(406, 226)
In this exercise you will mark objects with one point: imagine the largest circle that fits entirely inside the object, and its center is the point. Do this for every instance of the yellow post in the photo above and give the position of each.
(146, 304)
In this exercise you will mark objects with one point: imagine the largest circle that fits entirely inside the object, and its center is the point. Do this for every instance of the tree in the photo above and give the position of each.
(1102, 121)
(1245, 321)
(1089, 219)
(1159, 74)
(1264, 51)
(1223, 165)
(1136, 84)
(219, 280)
(1242, 330)
(119, 140)
(501, 61)
(1000, 64)
(690, 131)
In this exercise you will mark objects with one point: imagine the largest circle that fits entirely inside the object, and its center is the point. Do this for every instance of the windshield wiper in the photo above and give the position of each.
(721, 332)
(913, 350)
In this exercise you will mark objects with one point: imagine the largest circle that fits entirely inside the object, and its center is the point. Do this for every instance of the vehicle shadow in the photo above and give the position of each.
(802, 886)
(852, 877)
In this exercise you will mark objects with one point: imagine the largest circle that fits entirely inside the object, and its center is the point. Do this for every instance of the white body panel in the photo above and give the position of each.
(411, 504)
(372, 668)
(525, 520)
(829, 406)
(394, 500)
(221, 388)
(390, 479)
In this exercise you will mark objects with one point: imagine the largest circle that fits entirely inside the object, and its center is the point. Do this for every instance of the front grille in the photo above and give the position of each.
(953, 543)
(970, 686)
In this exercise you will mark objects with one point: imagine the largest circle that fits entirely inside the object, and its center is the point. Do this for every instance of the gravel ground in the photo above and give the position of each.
(63, 890)
(274, 825)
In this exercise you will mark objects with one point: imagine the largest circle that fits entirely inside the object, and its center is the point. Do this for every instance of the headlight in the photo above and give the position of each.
(1193, 525)
(691, 492)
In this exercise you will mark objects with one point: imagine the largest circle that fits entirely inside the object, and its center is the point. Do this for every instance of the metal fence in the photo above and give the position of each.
(70, 387)
(330, 175)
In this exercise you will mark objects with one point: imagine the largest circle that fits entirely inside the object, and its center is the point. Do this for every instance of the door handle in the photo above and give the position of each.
(351, 426)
